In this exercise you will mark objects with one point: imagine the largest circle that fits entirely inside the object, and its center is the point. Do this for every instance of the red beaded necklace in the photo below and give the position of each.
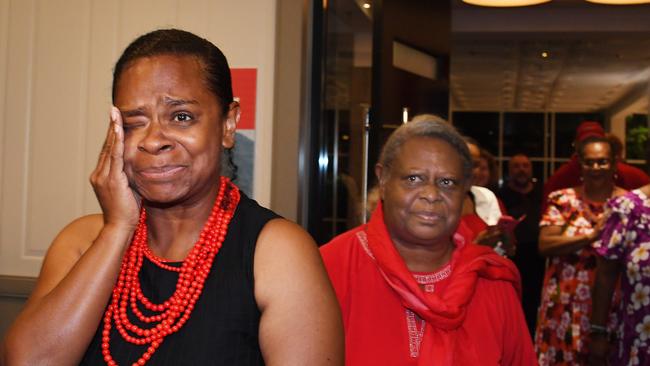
(175, 311)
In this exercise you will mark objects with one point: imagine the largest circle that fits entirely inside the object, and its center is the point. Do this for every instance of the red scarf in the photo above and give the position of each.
(445, 340)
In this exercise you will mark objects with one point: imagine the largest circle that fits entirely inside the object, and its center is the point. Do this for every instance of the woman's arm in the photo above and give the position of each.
(607, 273)
(301, 321)
(79, 270)
(65, 308)
(552, 241)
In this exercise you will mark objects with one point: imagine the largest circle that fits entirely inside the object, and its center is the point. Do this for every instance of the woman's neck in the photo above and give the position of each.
(173, 231)
(598, 192)
(425, 258)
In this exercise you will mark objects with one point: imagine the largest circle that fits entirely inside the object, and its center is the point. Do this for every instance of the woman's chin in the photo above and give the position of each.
(429, 236)
(162, 197)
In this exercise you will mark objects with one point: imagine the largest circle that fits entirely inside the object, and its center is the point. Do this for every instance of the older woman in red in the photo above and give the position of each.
(412, 291)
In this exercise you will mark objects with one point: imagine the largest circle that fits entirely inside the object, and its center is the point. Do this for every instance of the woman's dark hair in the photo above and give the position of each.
(580, 147)
(432, 127)
(181, 43)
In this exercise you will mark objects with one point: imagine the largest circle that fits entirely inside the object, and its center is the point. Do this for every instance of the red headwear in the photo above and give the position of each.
(589, 129)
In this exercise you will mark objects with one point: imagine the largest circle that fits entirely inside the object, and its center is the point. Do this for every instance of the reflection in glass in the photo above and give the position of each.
(347, 75)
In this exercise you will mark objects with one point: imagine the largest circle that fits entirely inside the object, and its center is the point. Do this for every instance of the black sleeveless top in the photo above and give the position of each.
(223, 328)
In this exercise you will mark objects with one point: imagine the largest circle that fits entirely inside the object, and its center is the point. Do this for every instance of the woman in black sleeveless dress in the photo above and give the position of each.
(181, 268)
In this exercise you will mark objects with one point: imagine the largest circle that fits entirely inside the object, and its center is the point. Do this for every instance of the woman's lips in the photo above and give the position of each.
(162, 173)
(429, 216)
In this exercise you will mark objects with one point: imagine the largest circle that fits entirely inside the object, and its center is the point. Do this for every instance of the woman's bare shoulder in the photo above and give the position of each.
(618, 191)
(66, 249)
(284, 227)
(646, 190)
(79, 234)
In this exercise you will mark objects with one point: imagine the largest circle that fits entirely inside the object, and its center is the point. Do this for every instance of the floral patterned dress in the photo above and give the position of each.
(626, 237)
(563, 318)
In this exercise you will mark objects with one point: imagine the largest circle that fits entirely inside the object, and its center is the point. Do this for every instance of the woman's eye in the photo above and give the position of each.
(446, 182)
(413, 178)
(182, 117)
(131, 126)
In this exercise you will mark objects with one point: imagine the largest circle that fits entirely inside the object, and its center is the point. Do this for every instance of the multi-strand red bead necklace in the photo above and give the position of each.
(172, 314)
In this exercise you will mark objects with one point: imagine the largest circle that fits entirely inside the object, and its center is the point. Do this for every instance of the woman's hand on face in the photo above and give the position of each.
(119, 203)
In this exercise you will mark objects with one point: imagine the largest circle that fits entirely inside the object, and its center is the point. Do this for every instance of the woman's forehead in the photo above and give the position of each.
(172, 76)
(597, 148)
(425, 149)
(164, 66)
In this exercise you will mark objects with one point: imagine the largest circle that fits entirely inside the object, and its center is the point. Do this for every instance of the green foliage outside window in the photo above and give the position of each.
(636, 135)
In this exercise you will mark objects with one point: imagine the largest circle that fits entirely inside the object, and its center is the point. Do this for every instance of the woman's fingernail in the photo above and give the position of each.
(116, 127)
(115, 114)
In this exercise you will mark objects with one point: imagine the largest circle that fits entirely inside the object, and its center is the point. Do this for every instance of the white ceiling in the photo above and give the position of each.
(577, 75)
(598, 57)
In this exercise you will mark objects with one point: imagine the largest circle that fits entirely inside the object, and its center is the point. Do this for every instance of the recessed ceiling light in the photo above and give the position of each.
(505, 3)
(366, 5)
(619, 2)
(544, 54)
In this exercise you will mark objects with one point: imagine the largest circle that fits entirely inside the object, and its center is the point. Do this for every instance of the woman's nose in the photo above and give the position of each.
(430, 192)
(155, 139)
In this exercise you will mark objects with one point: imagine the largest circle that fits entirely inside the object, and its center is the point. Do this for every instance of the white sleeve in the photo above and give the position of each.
(486, 205)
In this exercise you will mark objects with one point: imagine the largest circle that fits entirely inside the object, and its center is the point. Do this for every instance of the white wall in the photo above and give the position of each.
(56, 59)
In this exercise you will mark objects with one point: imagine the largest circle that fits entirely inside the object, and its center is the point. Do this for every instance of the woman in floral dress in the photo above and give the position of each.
(625, 248)
(567, 229)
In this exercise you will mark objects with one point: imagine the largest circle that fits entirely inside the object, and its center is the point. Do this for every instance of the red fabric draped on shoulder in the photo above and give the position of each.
(470, 261)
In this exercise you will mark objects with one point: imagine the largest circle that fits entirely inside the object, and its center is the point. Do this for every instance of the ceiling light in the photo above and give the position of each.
(619, 2)
(366, 5)
(544, 54)
(505, 3)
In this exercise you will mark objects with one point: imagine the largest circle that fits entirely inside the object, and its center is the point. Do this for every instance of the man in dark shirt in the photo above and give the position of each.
(521, 195)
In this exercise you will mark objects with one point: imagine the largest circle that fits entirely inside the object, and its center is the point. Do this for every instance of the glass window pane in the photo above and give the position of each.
(636, 135)
(482, 126)
(523, 133)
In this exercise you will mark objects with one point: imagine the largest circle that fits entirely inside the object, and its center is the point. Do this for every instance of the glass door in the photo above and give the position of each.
(344, 52)
(367, 68)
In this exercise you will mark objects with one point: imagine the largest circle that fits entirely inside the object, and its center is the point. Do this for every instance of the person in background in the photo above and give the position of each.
(483, 212)
(411, 290)
(624, 248)
(181, 268)
(568, 174)
(570, 224)
(488, 175)
(522, 197)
